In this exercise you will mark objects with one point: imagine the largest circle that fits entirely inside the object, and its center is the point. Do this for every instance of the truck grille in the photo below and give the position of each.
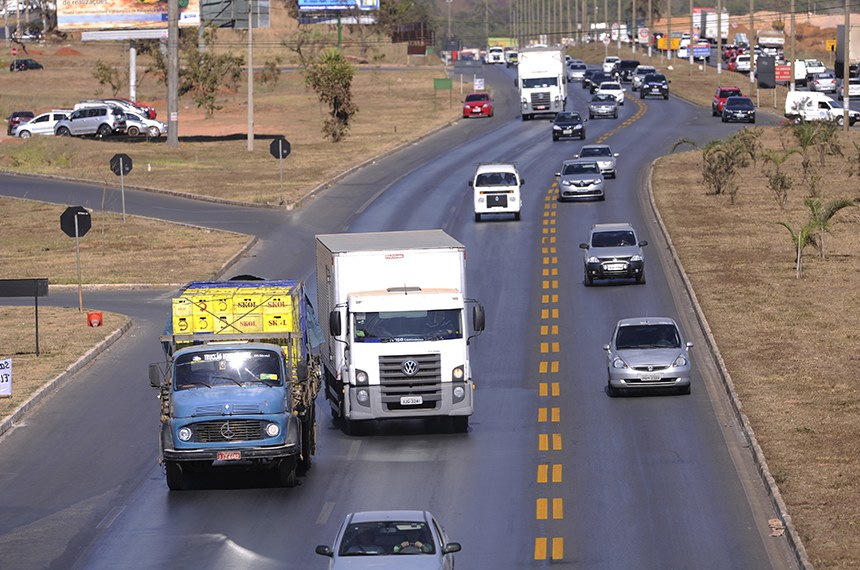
(218, 431)
(397, 380)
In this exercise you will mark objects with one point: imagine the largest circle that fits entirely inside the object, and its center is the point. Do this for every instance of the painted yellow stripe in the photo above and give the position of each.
(544, 365)
(552, 240)
(545, 298)
(542, 415)
(542, 509)
(545, 284)
(554, 328)
(556, 387)
(543, 389)
(555, 259)
(555, 347)
(543, 442)
(553, 367)
(540, 548)
(555, 415)
(543, 473)
(545, 272)
(555, 311)
(556, 473)
(544, 347)
(554, 284)
(544, 313)
(556, 442)
(557, 508)
(557, 548)
(544, 330)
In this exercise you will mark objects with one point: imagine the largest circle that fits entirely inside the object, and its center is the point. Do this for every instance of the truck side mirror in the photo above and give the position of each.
(471, 183)
(302, 371)
(478, 317)
(155, 378)
(334, 325)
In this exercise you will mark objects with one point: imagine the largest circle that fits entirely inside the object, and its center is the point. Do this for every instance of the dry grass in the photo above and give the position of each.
(789, 343)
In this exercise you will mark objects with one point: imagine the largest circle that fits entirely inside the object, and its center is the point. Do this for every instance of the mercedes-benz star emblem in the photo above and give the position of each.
(409, 367)
(226, 432)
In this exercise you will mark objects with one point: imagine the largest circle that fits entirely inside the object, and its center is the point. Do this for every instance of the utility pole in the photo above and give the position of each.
(690, 45)
(846, 70)
(618, 13)
(250, 78)
(449, 20)
(791, 88)
(669, 30)
(720, 38)
(173, 73)
(752, 36)
(650, 27)
(635, 30)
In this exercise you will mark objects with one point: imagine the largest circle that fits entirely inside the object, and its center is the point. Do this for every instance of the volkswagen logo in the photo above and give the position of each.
(409, 367)
(226, 432)
(650, 368)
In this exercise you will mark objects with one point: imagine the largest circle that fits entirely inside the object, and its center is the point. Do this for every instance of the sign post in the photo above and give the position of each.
(120, 164)
(280, 149)
(75, 222)
(24, 288)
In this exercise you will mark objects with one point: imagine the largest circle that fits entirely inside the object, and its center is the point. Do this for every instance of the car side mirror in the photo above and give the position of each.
(324, 550)
(471, 184)
(689, 344)
(606, 347)
(575, 156)
(334, 325)
(452, 547)
(643, 243)
(583, 246)
(615, 155)
(557, 174)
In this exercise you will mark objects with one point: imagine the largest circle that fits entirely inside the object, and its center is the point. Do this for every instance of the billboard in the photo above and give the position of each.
(341, 5)
(74, 15)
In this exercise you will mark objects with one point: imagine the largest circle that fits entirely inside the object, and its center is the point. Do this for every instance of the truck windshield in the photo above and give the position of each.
(408, 326)
(217, 367)
(539, 82)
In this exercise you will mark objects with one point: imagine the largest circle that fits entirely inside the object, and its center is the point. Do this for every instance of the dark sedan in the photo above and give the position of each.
(739, 109)
(568, 124)
(24, 65)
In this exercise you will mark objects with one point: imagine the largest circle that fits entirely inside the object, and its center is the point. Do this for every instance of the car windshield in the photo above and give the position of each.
(602, 98)
(655, 77)
(620, 238)
(408, 326)
(645, 70)
(580, 168)
(478, 97)
(386, 538)
(729, 92)
(496, 179)
(236, 367)
(739, 103)
(567, 117)
(595, 151)
(647, 336)
(610, 87)
(827, 75)
(577, 66)
(540, 82)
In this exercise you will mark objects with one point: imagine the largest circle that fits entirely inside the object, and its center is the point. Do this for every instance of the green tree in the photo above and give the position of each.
(778, 182)
(800, 239)
(330, 76)
(820, 215)
(110, 75)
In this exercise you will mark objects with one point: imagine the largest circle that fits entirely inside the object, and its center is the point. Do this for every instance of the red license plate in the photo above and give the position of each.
(229, 455)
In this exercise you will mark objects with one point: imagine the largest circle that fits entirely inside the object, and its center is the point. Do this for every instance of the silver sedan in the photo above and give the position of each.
(648, 353)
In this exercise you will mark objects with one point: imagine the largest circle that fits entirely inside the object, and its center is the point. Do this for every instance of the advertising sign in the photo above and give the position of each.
(342, 5)
(74, 15)
(5, 378)
(782, 73)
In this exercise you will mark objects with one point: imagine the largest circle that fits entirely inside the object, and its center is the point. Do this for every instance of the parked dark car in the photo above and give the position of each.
(654, 84)
(739, 109)
(626, 67)
(24, 65)
(568, 124)
(16, 118)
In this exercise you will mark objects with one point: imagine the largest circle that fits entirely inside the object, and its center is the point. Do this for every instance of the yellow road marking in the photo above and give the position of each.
(543, 367)
(556, 442)
(557, 508)
(556, 389)
(540, 548)
(542, 415)
(543, 473)
(542, 509)
(543, 388)
(555, 415)
(543, 442)
(557, 548)
(556, 473)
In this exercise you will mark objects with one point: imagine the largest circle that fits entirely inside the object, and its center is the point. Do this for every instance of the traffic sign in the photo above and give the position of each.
(14, 51)
(782, 73)
(120, 164)
(644, 34)
(72, 215)
(280, 147)
(479, 83)
(606, 40)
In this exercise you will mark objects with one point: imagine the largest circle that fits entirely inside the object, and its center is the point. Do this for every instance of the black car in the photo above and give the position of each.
(587, 75)
(24, 65)
(625, 68)
(654, 84)
(568, 124)
(16, 118)
(598, 78)
(739, 109)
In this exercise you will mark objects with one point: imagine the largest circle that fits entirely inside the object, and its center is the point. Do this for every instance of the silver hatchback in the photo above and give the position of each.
(101, 121)
(580, 180)
(613, 252)
(603, 155)
(648, 353)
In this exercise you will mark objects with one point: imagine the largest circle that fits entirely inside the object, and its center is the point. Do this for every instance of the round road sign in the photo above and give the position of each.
(280, 147)
(67, 221)
(120, 164)
(644, 33)
(606, 40)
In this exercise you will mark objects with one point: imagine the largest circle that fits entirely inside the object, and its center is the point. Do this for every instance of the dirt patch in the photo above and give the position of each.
(68, 52)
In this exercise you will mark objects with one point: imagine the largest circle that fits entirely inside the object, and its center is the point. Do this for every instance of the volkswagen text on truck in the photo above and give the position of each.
(396, 343)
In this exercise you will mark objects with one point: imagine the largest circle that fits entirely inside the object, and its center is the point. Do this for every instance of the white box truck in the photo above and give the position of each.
(393, 306)
(541, 81)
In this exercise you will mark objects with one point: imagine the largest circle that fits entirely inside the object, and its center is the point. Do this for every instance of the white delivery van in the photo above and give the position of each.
(496, 190)
(800, 73)
(815, 106)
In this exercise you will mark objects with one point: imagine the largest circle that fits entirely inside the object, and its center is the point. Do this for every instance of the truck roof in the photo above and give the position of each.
(382, 241)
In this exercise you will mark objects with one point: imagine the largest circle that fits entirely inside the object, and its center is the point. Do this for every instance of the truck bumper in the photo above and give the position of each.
(247, 453)
(375, 406)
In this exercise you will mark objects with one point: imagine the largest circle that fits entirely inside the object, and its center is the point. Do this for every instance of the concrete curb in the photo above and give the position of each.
(737, 407)
(55, 384)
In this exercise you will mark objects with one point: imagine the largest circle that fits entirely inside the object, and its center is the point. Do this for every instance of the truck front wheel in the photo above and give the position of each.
(286, 472)
(308, 441)
(174, 475)
(460, 423)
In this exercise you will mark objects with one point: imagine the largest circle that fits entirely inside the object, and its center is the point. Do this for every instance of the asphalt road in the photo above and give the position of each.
(552, 471)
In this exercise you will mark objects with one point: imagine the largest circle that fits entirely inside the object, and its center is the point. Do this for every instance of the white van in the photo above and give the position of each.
(496, 190)
(800, 72)
(815, 106)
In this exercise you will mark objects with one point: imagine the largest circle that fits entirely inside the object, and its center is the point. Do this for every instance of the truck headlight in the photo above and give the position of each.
(361, 376)
(459, 392)
(185, 434)
(457, 373)
(272, 430)
(362, 396)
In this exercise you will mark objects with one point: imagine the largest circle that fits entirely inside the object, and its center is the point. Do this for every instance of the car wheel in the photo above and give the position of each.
(724, 119)
(460, 424)
(24, 134)
(309, 427)
(589, 279)
(477, 217)
(684, 390)
(63, 132)
(103, 131)
(132, 131)
(590, 116)
(840, 121)
(613, 391)
(615, 116)
(666, 96)
(641, 94)
(154, 132)
(582, 136)
(174, 475)
(640, 279)
(554, 138)
(285, 471)
(714, 112)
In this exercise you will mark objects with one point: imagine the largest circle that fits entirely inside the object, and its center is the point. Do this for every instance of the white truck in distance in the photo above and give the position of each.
(541, 81)
(397, 340)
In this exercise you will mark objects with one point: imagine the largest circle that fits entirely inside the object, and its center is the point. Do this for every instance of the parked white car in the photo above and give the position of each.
(612, 88)
(136, 124)
(853, 88)
(41, 124)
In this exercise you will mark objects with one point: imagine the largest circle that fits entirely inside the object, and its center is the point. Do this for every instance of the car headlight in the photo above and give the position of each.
(680, 361)
(592, 259)
(618, 363)
(272, 430)
(636, 257)
(577, 126)
(361, 376)
(184, 434)
(556, 128)
(565, 182)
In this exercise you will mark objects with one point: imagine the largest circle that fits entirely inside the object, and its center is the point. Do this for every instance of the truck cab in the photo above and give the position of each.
(496, 190)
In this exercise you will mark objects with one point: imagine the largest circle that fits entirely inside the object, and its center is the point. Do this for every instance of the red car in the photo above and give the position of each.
(478, 105)
(720, 96)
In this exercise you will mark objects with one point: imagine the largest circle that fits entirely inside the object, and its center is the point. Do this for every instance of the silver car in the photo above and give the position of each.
(648, 353)
(576, 71)
(580, 180)
(613, 252)
(603, 105)
(604, 156)
(41, 124)
(391, 540)
(100, 121)
(639, 74)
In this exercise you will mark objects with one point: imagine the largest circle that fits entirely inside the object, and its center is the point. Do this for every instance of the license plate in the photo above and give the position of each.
(650, 378)
(568, 131)
(614, 267)
(229, 455)
(476, 110)
(540, 107)
(411, 400)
